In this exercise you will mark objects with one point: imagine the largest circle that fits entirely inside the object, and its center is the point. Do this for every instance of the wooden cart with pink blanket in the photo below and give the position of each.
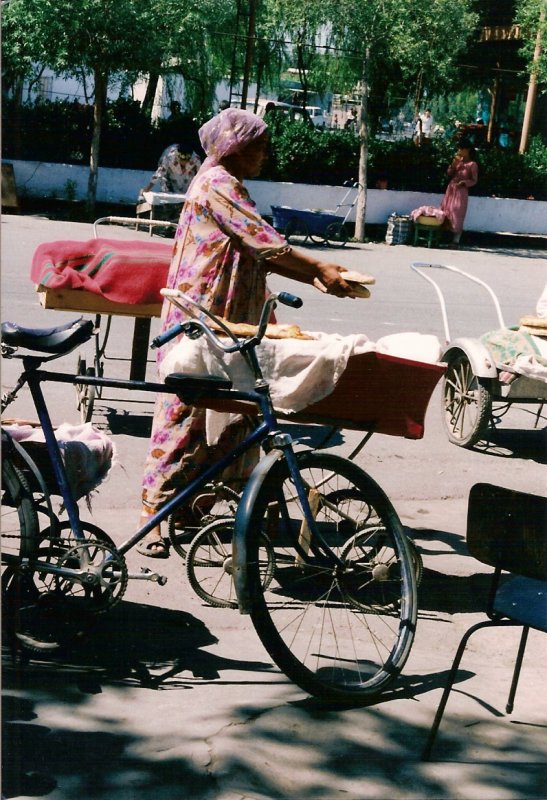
(108, 278)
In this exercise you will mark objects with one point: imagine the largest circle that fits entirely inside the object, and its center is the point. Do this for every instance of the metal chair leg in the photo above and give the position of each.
(516, 673)
(426, 754)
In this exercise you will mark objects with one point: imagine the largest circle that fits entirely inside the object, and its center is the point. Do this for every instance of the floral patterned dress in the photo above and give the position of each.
(175, 172)
(455, 199)
(219, 256)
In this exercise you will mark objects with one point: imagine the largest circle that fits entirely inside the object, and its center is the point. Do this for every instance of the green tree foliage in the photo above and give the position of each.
(531, 15)
(382, 42)
(100, 37)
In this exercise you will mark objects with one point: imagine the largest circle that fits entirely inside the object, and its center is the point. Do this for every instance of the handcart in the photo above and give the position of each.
(321, 226)
(366, 398)
(478, 379)
(104, 309)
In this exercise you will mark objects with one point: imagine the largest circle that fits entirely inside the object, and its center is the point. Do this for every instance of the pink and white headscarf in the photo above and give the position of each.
(229, 132)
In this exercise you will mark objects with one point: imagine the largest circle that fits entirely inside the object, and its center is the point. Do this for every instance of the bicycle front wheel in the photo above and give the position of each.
(339, 624)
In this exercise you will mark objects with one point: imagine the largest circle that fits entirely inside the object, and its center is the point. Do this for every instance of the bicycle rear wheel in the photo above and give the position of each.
(341, 630)
(20, 528)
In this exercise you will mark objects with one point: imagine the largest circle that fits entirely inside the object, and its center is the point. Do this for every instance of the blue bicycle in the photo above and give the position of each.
(319, 558)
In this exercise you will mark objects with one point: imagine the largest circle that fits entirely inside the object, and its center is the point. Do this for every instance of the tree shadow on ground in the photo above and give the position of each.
(133, 646)
(36, 759)
(342, 751)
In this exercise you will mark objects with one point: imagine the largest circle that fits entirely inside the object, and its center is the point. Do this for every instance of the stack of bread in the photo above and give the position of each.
(537, 326)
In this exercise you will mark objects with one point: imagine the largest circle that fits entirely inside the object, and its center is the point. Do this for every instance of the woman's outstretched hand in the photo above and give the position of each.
(330, 281)
(300, 266)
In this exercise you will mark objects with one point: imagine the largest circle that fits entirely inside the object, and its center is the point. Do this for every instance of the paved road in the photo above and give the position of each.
(173, 699)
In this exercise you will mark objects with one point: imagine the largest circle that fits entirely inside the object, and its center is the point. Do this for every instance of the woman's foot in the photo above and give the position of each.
(153, 545)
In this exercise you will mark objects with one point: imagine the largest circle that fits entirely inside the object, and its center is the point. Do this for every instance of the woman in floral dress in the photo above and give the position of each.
(222, 252)
(463, 173)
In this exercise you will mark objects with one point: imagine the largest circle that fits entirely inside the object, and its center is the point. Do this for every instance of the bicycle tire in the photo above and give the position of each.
(20, 527)
(201, 509)
(466, 403)
(341, 633)
(209, 566)
(49, 612)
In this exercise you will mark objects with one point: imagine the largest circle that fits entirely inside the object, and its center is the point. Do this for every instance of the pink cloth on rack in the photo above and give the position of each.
(124, 272)
(428, 211)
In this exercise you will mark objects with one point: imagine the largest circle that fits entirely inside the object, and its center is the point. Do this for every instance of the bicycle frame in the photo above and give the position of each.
(266, 433)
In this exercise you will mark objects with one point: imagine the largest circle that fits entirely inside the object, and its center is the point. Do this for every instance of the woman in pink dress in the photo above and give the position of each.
(223, 250)
(463, 173)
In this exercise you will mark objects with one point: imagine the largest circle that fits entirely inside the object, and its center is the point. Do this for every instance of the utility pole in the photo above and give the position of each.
(532, 89)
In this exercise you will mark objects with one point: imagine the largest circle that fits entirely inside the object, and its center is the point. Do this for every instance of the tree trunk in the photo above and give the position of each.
(494, 99)
(302, 72)
(17, 118)
(150, 94)
(259, 73)
(361, 208)
(101, 84)
(249, 51)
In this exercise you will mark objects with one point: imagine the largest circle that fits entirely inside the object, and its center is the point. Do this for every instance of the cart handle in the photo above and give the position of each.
(135, 221)
(417, 266)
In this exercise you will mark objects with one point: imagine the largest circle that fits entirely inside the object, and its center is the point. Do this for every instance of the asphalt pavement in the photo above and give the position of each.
(170, 698)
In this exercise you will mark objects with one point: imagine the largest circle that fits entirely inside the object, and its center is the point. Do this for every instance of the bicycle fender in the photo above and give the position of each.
(478, 355)
(242, 527)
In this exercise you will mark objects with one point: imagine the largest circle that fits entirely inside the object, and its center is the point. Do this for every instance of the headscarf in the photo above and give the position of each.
(229, 132)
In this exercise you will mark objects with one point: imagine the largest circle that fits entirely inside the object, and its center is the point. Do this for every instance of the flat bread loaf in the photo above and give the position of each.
(273, 331)
(536, 326)
(534, 322)
(351, 276)
(357, 281)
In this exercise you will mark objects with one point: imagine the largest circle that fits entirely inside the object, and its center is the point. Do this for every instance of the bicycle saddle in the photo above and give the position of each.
(61, 339)
(188, 381)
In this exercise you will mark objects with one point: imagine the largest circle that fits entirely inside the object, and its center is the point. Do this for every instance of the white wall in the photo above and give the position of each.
(485, 214)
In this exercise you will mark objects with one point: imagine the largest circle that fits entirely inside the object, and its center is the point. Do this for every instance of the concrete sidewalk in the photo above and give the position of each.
(172, 699)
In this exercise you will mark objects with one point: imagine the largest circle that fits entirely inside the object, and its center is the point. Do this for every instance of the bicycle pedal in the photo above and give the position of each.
(146, 574)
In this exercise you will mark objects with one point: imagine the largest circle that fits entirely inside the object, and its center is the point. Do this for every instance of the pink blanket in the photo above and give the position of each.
(124, 272)
(428, 211)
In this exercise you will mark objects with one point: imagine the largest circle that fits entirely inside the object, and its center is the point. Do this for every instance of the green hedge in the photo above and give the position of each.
(307, 155)
(61, 132)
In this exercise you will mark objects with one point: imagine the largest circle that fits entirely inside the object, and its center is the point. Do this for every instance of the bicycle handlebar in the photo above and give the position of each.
(196, 327)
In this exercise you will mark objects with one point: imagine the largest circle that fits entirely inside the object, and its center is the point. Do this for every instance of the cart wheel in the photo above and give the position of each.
(336, 235)
(466, 403)
(85, 394)
(296, 231)
(317, 239)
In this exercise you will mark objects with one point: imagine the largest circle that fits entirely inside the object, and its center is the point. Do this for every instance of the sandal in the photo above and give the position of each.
(153, 547)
